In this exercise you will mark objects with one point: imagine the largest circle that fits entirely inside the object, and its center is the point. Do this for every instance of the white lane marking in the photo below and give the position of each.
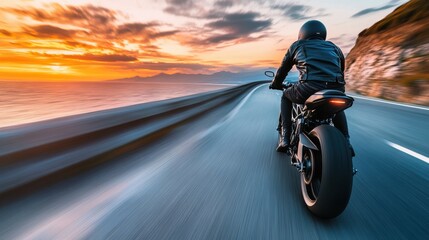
(390, 102)
(408, 151)
(229, 116)
(240, 105)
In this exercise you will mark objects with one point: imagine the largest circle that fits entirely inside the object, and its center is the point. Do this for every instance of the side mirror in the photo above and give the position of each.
(269, 74)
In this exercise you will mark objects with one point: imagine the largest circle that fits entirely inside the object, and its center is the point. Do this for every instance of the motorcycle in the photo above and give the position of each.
(320, 152)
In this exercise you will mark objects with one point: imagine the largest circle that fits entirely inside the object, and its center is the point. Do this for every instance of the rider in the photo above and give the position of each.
(321, 66)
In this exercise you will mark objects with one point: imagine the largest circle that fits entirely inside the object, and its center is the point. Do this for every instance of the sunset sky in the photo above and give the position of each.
(107, 39)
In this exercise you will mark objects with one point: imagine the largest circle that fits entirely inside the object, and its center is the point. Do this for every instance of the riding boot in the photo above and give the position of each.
(284, 140)
(279, 126)
(286, 124)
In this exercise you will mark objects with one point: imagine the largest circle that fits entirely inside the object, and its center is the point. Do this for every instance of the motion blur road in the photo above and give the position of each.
(219, 177)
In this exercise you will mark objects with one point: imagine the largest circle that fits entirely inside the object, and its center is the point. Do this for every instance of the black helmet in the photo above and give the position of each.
(312, 29)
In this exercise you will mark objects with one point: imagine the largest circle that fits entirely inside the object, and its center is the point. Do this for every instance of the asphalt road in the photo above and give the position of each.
(220, 177)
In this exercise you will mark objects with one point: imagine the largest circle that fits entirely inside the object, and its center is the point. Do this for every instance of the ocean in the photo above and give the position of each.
(26, 102)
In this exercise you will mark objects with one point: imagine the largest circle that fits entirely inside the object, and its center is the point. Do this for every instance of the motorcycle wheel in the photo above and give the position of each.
(326, 182)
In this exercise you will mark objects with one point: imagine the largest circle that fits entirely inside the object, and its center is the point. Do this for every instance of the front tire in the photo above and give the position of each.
(326, 183)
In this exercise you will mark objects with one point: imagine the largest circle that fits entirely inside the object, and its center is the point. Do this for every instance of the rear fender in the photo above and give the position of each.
(305, 141)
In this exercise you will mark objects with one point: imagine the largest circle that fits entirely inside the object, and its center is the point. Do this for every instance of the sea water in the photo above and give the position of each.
(26, 102)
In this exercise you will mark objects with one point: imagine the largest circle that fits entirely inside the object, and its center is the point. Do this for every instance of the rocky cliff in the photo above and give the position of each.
(391, 58)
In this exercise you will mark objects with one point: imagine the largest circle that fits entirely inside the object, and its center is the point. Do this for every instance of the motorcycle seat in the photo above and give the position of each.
(330, 92)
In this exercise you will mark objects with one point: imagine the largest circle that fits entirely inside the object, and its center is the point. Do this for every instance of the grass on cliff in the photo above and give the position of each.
(410, 12)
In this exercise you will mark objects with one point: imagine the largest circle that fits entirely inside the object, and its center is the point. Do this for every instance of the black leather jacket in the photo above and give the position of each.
(315, 59)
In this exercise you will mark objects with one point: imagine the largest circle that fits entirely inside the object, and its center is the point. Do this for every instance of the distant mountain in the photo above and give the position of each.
(391, 58)
(223, 77)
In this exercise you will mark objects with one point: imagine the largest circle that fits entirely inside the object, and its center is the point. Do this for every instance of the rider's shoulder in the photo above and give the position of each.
(334, 45)
(331, 43)
(304, 42)
(296, 44)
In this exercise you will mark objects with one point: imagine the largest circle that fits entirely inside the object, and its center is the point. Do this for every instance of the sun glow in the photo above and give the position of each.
(56, 68)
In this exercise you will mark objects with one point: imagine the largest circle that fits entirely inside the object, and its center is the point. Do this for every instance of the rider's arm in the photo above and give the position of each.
(284, 68)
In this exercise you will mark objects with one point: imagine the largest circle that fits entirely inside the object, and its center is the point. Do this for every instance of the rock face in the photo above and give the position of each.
(391, 58)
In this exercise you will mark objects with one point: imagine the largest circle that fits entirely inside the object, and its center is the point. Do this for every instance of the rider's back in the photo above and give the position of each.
(318, 60)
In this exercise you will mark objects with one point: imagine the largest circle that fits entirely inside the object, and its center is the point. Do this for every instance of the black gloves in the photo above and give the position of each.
(282, 86)
(275, 86)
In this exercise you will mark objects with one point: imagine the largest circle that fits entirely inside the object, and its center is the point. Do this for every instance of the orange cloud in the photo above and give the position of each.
(48, 31)
(92, 42)
(103, 57)
(6, 33)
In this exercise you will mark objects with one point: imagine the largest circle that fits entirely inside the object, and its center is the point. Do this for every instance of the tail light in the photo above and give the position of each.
(337, 101)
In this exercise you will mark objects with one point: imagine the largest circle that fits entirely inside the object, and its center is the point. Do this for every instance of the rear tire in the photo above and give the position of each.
(326, 184)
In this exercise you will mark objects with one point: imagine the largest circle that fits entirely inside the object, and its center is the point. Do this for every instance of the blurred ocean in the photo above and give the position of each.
(26, 102)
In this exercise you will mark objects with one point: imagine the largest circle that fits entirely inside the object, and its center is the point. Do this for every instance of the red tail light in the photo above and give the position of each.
(337, 101)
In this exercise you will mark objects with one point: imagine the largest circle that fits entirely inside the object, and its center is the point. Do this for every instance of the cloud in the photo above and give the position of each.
(89, 35)
(102, 57)
(164, 66)
(236, 27)
(108, 58)
(49, 31)
(187, 8)
(87, 28)
(182, 3)
(97, 19)
(145, 32)
(165, 33)
(219, 38)
(77, 44)
(298, 12)
(224, 3)
(223, 27)
(198, 9)
(134, 28)
(5, 32)
(100, 24)
(366, 11)
(241, 23)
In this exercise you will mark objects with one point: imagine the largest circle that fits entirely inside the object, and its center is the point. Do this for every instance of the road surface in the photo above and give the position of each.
(219, 177)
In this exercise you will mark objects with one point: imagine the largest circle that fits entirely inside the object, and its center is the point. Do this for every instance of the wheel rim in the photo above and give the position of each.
(308, 167)
(311, 177)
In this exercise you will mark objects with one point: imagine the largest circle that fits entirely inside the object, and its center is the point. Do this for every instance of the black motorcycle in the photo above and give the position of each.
(321, 153)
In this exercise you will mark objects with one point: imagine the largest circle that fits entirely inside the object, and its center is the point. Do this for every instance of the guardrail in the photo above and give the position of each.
(39, 154)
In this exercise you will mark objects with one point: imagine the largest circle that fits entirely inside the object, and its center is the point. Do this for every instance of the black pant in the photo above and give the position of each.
(299, 92)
